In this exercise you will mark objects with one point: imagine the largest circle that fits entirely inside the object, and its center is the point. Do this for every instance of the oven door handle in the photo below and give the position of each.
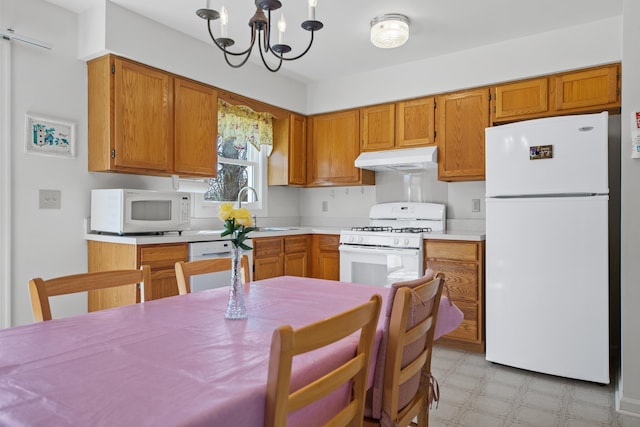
(377, 250)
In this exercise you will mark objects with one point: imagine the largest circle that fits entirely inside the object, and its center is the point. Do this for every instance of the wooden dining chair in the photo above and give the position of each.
(407, 386)
(41, 290)
(186, 269)
(287, 343)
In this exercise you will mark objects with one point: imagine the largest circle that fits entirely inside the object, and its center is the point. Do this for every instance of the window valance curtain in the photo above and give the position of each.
(237, 121)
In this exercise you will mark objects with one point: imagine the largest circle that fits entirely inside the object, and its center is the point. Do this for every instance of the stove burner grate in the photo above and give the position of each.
(412, 230)
(372, 228)
(388, 229)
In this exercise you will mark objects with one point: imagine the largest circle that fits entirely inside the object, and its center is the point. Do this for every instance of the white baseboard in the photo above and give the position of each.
(626, 405)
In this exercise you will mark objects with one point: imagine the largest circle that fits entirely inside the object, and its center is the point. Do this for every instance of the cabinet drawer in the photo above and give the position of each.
(461, 278)
(265, 247)
(468, 329)
(328, 242)
(294, 244)
(462, 251)
(159, 256)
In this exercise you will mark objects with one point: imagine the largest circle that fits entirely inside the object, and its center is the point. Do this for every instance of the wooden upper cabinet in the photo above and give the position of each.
(588, 89)
(144, 120)
(415, 121)
(377, 127)
(333, 148)
(521, 99)
(298, 150)
(401, 125)
(143, 117)
(288, 160)
(461, 120)
(196, 128)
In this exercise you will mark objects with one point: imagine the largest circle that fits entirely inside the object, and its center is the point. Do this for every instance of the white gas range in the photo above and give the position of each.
(390, 248)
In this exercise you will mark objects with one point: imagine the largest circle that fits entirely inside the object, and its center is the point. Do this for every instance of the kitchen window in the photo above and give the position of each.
(245, 138)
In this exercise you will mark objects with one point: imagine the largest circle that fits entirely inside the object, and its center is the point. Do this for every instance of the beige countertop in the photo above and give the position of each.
(208, 235)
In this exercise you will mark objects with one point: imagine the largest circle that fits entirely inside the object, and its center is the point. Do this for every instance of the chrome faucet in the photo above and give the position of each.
(244, 190)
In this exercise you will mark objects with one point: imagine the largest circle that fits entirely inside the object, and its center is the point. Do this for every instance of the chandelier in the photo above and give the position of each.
(260, 27)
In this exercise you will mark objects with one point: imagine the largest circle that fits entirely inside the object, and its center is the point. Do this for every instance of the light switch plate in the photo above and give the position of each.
(475, 205)
(49, 199)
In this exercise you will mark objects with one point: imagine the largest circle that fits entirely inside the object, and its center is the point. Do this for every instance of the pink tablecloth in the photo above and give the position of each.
(174, 361)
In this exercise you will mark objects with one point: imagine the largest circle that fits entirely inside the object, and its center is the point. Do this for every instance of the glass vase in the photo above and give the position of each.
(235, 307)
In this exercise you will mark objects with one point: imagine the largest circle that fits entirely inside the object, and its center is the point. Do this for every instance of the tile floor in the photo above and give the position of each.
(477, 393)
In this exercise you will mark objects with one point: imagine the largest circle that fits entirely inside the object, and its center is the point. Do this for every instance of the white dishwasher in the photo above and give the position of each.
(212, 249)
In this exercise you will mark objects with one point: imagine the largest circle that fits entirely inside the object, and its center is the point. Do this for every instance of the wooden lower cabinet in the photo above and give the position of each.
(296, 255)
(462, 263)
(325, 256)
(280, 256)
(161, 258)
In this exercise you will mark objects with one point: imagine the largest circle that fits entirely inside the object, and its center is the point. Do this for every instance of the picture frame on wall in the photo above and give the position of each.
(49, 136)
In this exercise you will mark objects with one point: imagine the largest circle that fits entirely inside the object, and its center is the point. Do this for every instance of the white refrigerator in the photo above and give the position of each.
(547, 247)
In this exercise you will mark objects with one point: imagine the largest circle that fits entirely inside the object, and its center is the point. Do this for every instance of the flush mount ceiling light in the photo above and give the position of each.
(389, 30)
(260, 27)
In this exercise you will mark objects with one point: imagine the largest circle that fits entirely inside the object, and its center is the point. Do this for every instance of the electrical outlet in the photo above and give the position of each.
(325, 206)
(49, 199)
(475, 205)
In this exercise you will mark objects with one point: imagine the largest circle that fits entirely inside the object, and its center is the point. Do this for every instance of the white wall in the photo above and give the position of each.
(109, 27)
(49, 243)
(349, 206)
(346, 206)
(45, 242)
(5, 183)
(628, 396)
(575, 47)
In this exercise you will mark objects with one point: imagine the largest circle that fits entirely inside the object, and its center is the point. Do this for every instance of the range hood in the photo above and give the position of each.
(406, 160)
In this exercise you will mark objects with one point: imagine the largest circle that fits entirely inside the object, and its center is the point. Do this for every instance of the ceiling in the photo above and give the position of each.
(342, 47)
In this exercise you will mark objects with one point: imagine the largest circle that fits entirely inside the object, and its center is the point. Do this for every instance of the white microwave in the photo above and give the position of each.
(125, 211)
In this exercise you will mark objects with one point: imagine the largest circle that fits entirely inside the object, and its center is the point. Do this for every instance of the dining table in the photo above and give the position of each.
(176, 361)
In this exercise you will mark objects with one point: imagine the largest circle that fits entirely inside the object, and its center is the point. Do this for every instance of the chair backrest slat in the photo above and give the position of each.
(408, 353)
(186, 269)
(287, 343)
(138, 280)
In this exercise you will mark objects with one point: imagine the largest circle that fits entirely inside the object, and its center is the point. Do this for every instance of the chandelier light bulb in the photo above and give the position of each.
(282, 27)
(224, 20)
(312, 9)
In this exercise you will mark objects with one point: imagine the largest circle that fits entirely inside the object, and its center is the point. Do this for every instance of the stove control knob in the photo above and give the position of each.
(406, 242)
(396, 241)
(360, 239)
(351, 238)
